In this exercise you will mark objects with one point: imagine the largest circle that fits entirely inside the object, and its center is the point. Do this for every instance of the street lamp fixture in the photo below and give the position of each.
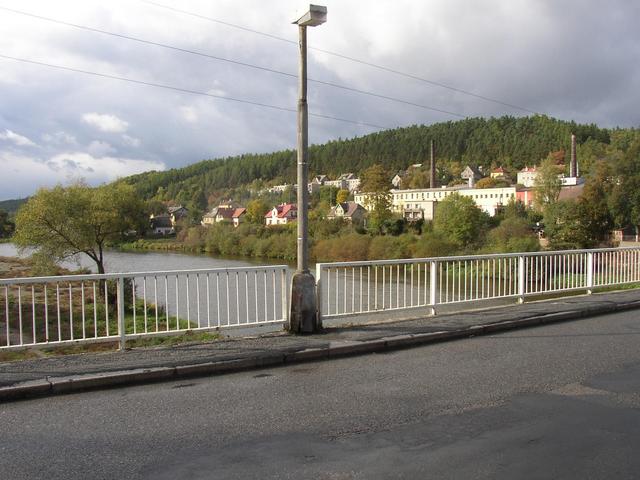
(304, 318)
(316, 15)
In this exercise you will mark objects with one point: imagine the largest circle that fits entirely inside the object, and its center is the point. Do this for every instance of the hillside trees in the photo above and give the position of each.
(625, 194)
(375, 181)
(547, 183)
(510, 141)
(6, 225)
(256, 210)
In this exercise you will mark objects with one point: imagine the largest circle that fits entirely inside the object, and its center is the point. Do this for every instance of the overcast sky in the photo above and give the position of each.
(571, 59)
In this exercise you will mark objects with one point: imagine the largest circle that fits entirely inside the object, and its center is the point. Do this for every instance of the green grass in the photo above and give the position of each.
(188, 337)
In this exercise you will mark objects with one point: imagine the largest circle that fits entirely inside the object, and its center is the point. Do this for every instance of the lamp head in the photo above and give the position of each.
(316, 15)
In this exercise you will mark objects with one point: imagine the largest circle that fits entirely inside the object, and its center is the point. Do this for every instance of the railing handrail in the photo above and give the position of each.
(360, 263)
(115, 276)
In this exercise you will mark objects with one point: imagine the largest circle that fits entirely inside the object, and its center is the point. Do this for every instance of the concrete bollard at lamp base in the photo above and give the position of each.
(303, 317)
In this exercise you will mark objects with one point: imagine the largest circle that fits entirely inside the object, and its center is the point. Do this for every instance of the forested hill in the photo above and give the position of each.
(11, 206)
(507, 141)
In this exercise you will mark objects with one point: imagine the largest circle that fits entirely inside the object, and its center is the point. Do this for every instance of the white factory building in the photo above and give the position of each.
(421, 203)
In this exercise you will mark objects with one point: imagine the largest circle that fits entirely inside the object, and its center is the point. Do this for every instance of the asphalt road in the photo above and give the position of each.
(559, 401)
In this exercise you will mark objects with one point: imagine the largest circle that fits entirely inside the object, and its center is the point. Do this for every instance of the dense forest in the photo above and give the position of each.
(507, 141)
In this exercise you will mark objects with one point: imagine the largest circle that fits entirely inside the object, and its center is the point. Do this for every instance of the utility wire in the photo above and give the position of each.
(186, 90)
(345, 57)
(228, 60)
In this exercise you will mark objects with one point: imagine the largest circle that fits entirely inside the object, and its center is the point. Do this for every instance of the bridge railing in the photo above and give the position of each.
(357, 288)
(118, 307)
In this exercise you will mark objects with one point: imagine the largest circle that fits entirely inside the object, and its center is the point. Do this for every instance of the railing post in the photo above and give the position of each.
(319, 294)
(120, 302)
(589, 273)
(433, 281)
(285, 297)
(521, 279)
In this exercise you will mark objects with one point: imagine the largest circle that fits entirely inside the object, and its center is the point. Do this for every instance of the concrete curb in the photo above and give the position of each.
(78, 383)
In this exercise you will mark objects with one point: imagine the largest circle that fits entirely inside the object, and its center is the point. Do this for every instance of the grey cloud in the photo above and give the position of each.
(572, 59)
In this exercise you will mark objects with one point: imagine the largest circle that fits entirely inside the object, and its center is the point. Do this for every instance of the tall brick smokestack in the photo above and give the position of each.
(573, 166)
(432, 170)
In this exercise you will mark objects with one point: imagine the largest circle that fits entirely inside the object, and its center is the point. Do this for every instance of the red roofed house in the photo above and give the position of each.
(237, 213)
(282, 214)
(224, 213)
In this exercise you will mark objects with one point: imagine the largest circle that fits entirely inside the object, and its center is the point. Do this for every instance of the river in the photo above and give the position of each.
(145, 261)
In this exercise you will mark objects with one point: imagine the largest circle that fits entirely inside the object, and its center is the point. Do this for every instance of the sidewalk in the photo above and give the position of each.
(56, 375)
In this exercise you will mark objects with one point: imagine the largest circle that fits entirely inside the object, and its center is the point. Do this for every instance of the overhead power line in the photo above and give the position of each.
(187, 90)
(345, 57)
(228, 60)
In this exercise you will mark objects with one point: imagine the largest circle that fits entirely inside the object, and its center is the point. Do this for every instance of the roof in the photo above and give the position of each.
(527, 169)
(224, 212)
(347, 176)
(175, 209)
(239, 211)
(498, 170)
(475, 171)
(283, 210)
(349, 208)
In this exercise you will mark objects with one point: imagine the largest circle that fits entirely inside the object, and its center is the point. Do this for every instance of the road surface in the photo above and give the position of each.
(559, 401)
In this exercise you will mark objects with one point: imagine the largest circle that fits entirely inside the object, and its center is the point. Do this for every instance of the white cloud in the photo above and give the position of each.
(16, 138)
(60, 138)
(104, 168)
(98, 148)
(189, 114)
(131, 141)
(23, 174)
(105, 122)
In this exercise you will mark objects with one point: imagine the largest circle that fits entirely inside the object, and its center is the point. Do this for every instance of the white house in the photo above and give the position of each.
(527, 176)
(281, 214)
(349, 211)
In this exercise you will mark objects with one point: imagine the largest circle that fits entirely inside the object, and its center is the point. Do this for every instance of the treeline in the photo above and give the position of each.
(508, 141)
(11, 206)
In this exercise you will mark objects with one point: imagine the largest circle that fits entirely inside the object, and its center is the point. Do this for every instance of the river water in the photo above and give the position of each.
(147, 261)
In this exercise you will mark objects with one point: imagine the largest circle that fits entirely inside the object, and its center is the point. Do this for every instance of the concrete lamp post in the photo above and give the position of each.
(304, 317)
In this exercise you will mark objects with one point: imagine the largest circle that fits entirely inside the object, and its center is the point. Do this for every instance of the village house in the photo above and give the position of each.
(165, 223)
(471, 174)
(177, 213)
(351, 212)
(224, 213)
(352, 183)
(396, 181)
(498, 173)
(527, 176)
(282, 214)
(162, 225)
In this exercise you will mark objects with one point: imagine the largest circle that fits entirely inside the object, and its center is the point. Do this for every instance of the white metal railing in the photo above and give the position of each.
(108, 307)
(352, 288)
(116, 307)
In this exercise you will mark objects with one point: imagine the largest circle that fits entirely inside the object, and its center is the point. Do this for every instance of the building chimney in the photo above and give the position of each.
(573, 166)
(432, 176)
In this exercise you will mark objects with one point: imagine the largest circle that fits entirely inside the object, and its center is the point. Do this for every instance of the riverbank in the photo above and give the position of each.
(13, 267)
